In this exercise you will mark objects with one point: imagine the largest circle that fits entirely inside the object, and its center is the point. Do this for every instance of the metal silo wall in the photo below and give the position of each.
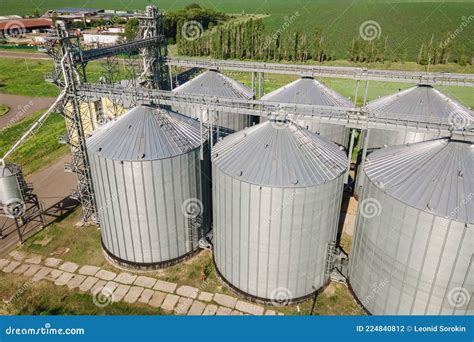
(338, 134)
(380, 137)
(268, 238)
(9, 187)
(406, 261)
(140, 205)
(234, 122)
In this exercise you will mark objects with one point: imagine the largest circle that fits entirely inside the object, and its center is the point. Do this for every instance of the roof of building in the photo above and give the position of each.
(77, 10)
(279, 154)
(436, 176)
(21, 24)
(309, 91)
(146, 133)
(214, 83)
(419, 103)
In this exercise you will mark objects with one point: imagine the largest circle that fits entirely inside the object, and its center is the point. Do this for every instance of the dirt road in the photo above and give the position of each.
(28, 55)
(53, 187)
(21, 107)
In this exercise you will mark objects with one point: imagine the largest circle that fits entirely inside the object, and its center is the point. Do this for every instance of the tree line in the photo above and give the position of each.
(250, 40)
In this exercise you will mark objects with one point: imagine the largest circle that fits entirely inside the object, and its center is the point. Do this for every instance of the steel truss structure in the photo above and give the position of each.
(148, 83)
(355, 118)
(360, 74)
(70, 62)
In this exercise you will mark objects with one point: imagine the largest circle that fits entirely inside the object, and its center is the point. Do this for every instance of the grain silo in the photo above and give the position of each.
(277, 192)
(419, 104)
(11, 196)
(151, 187)
(309, 91)
(214, 83)
(414, 236)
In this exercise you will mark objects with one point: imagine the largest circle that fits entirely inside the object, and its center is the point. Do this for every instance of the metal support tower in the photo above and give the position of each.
(156, 73)
(72, 75)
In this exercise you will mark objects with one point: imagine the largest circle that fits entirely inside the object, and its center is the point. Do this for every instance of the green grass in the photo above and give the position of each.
(82, 245)
(41, 148)
(346, 242)
(4, 109)
(44, 298)
(406, 23)
(25, 77)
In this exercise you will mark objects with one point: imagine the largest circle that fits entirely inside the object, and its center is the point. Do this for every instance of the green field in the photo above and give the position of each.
(41, 148)
(3, 109)
(406, 24)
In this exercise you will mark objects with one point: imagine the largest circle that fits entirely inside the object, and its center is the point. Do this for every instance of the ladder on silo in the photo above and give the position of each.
(331, 257)
(165, 123)
(194, 223)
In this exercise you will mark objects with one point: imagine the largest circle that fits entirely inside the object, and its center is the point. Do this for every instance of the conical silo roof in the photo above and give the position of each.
(308, 91)
(280, 155)
(146, 133)
(436, 176)
(423, 103)
(214, 83)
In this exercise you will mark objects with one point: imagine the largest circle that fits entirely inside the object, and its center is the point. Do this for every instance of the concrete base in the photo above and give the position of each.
(260, 300)
(133, 266)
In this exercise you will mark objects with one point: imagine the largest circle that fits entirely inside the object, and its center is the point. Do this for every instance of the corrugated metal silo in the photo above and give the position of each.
(276, 197)
(10, 192)
(414, 236)
(151, 188)
(309, 91)
(421, 103)
(216, 84)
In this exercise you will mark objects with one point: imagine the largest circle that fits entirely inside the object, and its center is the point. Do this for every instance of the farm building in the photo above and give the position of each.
(412, 252)
(309, 91)
(214, 83)
(147, 169)
(277, 192)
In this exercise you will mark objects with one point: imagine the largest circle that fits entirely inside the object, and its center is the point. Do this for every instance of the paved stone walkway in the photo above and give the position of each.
(106, 287)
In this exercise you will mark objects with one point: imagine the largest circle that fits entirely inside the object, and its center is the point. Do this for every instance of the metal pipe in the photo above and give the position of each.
(349, 159)
(31, 129)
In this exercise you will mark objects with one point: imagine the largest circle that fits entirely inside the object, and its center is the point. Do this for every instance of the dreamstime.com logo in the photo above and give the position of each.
(370, 208)
(459, 120)
(370, 30)
(192, 30)
(281, 296)
(13, 29)
(14, 208)
(458, 297)
(192, 208)
(103, 298)
(46, 330)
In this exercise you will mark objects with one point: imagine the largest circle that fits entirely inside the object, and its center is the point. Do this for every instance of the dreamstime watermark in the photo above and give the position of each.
(16, 296)
(192, 30)
(103, 297)
(192, 208)
(370, 30)
(458, 297)
(281, 296)
(453, 35)
(286, 24)
(371, 296)
(21, 111)
(14, 208)
(46, 330)
(13, 28)
(459, 120)
(370, 208)
(466, 199)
